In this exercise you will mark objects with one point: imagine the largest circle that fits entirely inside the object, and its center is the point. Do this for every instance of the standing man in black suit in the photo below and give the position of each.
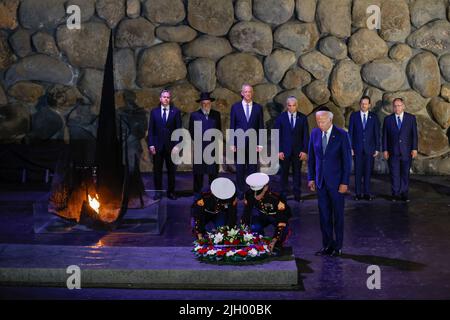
(246, 115)
(400, 142)
(293, 143)
(207, 118)
(364, 133)
(164, 119)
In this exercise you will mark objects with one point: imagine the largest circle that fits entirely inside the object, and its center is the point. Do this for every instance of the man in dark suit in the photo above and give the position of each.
(293, 144)
(329, 168)
(164, 119)
(364, 133)
(400, 147)
(246, 115)
(207, 119)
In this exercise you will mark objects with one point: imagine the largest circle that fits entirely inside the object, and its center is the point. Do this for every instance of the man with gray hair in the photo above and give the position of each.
(293, 144)
(329, 168)
(246, 115)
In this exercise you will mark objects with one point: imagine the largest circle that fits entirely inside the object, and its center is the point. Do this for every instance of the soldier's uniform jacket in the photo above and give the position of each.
(270, 204)
(208, 204)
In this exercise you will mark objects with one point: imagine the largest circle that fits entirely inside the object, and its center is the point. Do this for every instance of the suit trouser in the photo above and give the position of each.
(198, 180)
(363, 170)
(399, 170)
(294, 161)
(244, 170)
(158, 161)
(331, 211)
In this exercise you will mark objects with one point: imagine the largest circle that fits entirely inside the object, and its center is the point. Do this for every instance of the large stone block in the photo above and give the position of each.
(44, 14)
(164, 11)
(317, 64)
(305, 10)
(327, 13)
(395, 24)
(298, 37)
(365, 46)
(87, 47)
(40, 67)
(276, 64)
(135, 33)
(180, 33)
(238, 68)
(432, 140)
(213, 17)
(160, 65)
(275, 12)
(384, 74)
(253, 37)
(424, 11)
(208, 47)
(202, 74)
(441, 112)
(433, 37)
(424, 76)
(8, 14)
(346, 83)
(112, 11)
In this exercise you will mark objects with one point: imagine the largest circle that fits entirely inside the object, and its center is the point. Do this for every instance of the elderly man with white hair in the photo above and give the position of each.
(329, 168)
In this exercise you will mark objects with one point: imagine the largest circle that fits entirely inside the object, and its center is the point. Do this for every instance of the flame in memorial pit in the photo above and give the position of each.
(94, 203)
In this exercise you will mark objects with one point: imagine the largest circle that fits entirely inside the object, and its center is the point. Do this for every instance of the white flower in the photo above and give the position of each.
(211, 252)
(197, 248)
(248, 237)
(266, 247)
(218, 238)
(230, 253)
(253, 252)
(233, 232)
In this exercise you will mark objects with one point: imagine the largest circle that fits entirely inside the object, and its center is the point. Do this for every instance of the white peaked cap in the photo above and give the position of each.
(223, 188)
(257, 181)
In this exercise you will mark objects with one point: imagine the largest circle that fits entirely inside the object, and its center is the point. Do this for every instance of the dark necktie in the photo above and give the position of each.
(399, 122)
(165, 115)
(364, 121)
(292, 121)
(324, 142)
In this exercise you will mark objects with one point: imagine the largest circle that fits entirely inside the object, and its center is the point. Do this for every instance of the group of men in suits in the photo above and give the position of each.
(328, 151)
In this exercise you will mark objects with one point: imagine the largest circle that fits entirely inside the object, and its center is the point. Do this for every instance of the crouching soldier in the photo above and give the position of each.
(264, 207)
(218, 205)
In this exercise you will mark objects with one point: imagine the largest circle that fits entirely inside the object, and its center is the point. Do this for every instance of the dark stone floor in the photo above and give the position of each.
(409, 242)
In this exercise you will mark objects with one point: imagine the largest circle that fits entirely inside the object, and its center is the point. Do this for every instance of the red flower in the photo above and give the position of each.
(221, 253)
(236, 241)
(242, 253)
(227, 242)
(202, 250)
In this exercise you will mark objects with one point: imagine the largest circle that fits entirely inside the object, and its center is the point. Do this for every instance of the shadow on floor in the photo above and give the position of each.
(403, 265)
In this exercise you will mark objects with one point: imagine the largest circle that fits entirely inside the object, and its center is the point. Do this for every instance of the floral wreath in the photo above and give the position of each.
(232, 245)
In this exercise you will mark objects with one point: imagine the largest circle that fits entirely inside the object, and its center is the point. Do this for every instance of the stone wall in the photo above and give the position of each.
(317, 50)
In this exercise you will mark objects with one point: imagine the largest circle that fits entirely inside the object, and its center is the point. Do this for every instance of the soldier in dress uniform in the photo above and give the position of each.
(264, 207)
(218, 205)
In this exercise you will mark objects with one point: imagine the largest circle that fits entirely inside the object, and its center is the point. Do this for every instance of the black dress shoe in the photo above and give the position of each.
(298, 199)
(172, 196)
(336, 253)
(368, 197)
(324, 252)
(358, 197)
(395, 198)
(405, 198)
